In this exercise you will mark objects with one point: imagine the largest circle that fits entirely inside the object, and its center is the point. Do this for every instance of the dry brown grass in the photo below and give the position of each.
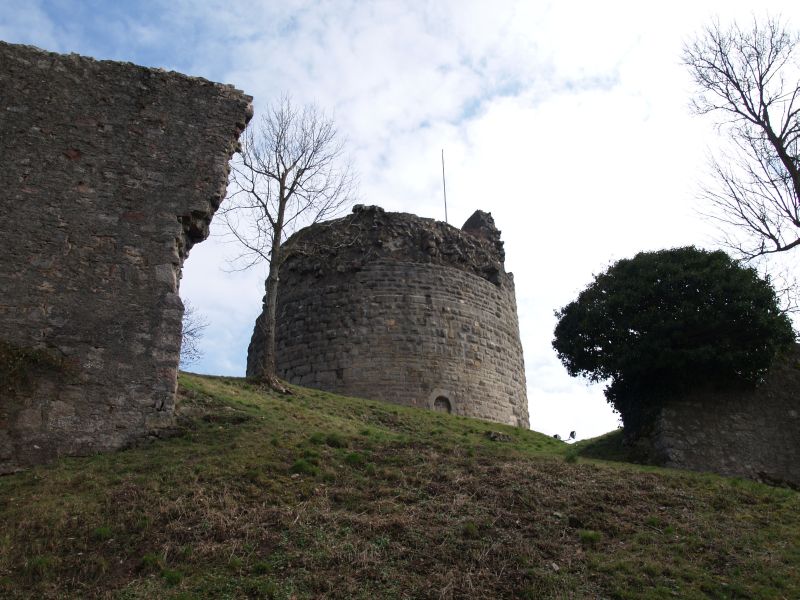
(394, 503)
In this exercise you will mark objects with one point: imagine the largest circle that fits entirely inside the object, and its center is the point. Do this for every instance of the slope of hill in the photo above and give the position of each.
(318, 496)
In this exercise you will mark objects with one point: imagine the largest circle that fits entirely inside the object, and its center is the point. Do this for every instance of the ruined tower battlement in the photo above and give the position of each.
(399, 308)
(110, 173)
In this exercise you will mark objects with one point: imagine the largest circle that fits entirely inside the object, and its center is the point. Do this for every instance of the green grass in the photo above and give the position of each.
(319, 496)
(608, 447)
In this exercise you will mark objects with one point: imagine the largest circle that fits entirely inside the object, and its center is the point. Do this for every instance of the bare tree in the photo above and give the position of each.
(192, 327)
(290, 173)
(751, 79)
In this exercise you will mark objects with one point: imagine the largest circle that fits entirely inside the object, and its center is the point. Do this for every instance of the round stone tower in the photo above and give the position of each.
(395, 307)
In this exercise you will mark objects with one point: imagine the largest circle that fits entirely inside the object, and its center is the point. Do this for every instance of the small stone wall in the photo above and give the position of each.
(111, 172)
(407, 310)
(753, 434)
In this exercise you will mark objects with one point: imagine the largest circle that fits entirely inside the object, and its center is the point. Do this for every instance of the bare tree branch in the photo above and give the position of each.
(291, 173)
(751, 78)
(192, 327)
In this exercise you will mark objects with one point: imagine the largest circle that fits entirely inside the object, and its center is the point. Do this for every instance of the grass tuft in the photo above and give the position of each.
(102, 533)
(171, 577)
(303, 466)
(355, 459)
(470, 531)
(589, 537)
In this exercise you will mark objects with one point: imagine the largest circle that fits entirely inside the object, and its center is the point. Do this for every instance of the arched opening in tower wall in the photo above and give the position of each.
(442, 404)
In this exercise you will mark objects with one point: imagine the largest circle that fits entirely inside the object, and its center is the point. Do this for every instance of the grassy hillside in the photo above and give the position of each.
(318, 496)
(611, 446)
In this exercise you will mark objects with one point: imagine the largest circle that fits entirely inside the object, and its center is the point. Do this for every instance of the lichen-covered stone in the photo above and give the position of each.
(110, 172)
(399, 308)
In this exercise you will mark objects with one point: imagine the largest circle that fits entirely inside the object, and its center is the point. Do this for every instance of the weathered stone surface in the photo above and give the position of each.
(399, 308)
(753, 434)
(110, 173)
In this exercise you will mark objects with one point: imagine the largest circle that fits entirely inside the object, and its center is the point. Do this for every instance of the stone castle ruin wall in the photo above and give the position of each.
(111, 172)
(399, 308)
(751, 433)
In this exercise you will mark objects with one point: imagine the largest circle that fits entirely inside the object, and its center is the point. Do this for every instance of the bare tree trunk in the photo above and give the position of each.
(268, 367)
(268, 376)
(269, 370)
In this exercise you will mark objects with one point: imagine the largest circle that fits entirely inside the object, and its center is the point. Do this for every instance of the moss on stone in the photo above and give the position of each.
(19, 365)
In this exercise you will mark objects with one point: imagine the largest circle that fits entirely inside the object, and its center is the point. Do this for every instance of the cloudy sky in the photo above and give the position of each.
(568, 121)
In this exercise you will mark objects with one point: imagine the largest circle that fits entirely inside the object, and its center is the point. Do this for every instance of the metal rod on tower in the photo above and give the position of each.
(444, 188)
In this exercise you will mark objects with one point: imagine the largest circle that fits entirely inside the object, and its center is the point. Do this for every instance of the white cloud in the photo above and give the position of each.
(26, 22)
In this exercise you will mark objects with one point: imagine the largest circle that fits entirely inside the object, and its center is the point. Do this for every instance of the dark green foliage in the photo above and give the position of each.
(669, 321)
